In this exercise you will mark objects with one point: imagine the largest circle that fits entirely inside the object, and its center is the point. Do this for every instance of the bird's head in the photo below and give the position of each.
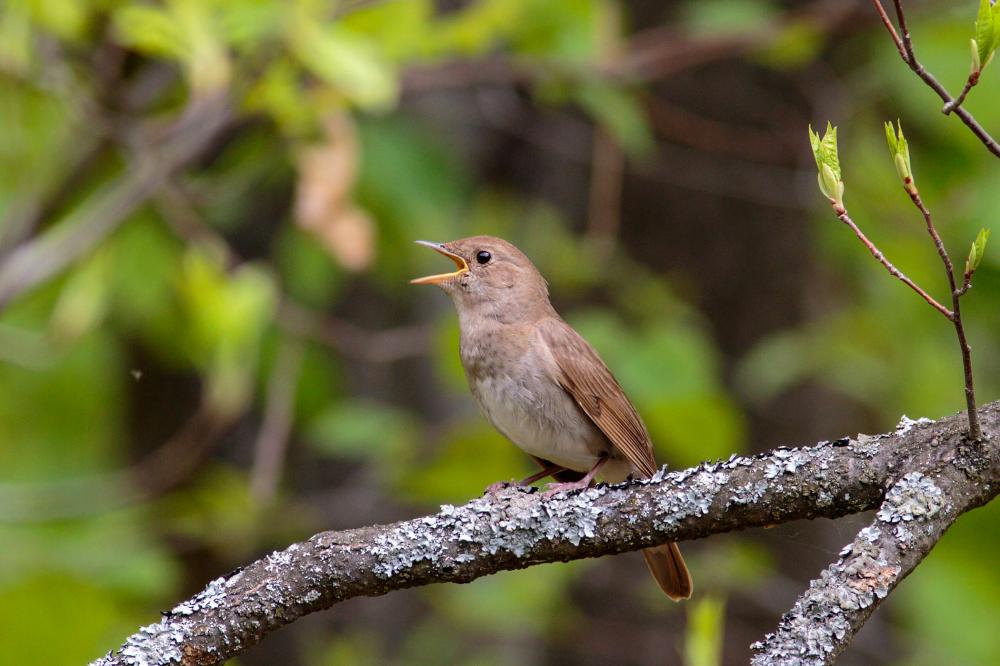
(492, 278)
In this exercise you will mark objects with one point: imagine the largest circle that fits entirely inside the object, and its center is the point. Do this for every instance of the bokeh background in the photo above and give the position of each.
(209, 349)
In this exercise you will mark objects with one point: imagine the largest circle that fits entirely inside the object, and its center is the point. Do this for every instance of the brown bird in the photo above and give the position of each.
(542, 385)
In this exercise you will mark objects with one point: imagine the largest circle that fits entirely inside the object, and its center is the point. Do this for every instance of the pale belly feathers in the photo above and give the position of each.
(543, 420)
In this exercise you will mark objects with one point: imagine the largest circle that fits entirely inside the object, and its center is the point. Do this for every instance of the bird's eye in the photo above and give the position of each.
(483, 256)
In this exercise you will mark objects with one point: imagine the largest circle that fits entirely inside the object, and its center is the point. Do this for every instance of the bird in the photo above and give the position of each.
(544, 387)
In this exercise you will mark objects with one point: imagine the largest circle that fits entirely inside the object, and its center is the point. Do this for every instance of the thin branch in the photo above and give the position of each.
(514, 529)
(891, 28)
(36, 261)
(966, 284)
(970, 83)
(949, 268)
(905, 46)
(895, 272)
(907, 42)
(32, 208)
(272, 441)
(606, 179)
(956, 318)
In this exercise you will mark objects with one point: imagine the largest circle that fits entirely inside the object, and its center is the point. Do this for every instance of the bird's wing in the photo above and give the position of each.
(582, 373)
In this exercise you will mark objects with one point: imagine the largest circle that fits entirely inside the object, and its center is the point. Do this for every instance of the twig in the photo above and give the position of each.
(895, 272)
(34, 262)
(606, 175)
(891, 28)
(975, 431)
(905, 46)
(907, 42)
(28, 213)
(272, 441)
(966, 284)
(933, 465)
(175, 205)
(970, 83)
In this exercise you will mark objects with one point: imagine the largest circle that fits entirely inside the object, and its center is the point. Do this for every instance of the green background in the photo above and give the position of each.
(652, 158)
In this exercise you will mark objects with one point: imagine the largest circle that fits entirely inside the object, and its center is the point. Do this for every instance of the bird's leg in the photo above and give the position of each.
(554, 488)
(547, 470)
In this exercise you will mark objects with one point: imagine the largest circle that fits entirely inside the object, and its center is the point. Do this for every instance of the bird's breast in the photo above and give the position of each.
(518, 394)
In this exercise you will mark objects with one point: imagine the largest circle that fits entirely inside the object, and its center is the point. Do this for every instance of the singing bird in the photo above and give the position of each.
(542, 385)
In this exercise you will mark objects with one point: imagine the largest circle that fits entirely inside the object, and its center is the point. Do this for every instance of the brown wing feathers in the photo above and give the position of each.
(585, 377)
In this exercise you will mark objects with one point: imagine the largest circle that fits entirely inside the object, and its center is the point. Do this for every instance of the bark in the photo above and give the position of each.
(921, 478)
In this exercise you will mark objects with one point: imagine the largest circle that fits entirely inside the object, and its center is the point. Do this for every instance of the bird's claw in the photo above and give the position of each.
(494, 488)
(553, 489)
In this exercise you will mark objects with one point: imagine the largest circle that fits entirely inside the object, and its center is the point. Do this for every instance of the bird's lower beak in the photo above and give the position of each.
(442, 277)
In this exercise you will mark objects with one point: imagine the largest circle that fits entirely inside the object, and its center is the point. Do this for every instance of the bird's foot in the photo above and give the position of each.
(565, 487)
(494, 488)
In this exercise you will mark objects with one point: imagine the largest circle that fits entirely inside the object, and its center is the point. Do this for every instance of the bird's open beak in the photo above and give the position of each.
(441, 277)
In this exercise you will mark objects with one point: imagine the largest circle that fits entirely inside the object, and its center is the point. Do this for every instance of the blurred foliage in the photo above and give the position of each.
(705, 632)
(312, 197)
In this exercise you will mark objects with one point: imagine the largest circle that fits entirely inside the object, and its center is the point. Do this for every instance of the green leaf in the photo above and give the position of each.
(227, 315)
(184, 31)
(277, 92)
(899, 148)
(987, 33)
(66, 18)
(976, 251)
(206, 59)
(351, 64)
(84, 300)
(825, 149)
(150, 30)
(831, 184)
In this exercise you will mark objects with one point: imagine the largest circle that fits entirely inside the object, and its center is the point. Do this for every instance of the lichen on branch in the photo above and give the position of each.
(518, 528)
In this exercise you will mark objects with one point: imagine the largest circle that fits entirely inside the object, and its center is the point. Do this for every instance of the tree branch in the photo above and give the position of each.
(934, 474)
(905, 47)
(893, 271)
(916, 513)
(36, 261)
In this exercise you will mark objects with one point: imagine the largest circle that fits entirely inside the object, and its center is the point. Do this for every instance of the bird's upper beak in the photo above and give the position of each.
(463, 267)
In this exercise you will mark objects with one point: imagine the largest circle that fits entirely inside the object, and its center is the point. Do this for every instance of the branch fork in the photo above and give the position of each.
(920, 478)
(904, 45)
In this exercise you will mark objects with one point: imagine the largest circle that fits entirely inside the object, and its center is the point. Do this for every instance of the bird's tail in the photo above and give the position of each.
(667, 566)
